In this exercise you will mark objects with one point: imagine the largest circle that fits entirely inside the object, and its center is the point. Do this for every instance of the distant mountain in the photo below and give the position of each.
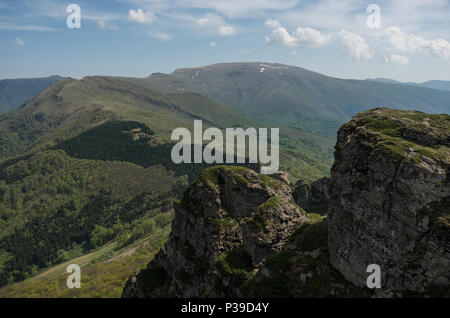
(441, 85)
(14, 92)
(385, 80)
(293, 96)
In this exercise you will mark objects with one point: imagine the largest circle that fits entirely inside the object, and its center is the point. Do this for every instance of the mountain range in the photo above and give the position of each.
(295, 97)
(441, 85)
(276, 93)
(85, 166)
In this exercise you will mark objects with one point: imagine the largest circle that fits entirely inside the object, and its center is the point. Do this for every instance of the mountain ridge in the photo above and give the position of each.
(293, 96)
(433, 84)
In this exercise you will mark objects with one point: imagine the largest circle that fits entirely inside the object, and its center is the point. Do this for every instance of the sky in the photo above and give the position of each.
(406, 40)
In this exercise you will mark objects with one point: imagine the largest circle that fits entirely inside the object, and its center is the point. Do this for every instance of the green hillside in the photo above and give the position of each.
(104, 271)
(85, 167)
(295, 97)
(52, 204)
(71, 107)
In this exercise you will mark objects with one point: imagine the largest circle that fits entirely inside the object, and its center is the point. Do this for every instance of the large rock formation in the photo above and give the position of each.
(313, 197)
(390, 201)
(228, 222)
(238, 233)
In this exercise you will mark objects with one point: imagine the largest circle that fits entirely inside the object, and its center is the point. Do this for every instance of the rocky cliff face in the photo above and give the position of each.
(228, 222)
(313, 197)
(390, 201)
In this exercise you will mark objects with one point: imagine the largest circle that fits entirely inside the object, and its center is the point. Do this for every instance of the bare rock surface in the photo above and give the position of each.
(390, 201)
(314, 196)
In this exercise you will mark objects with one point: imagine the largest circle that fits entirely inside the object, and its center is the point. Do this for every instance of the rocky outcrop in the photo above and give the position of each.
(237, 233)
(229, 221)
(389, 204)
(282, 176)
(313, 197)
(302, 268)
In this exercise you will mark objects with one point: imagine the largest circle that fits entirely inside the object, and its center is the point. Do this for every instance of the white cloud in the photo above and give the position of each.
(226, 30)
(160, 36)
(19, 41)
(440, 48)
(105, 26)
(27, 27)
(212, 44)
(272, 23)
(240, 8)
(140, 16)
(426, 17)
(203, 21)
(399, 59)
(392, 42)
(301, 35)
(282, 36)
(430, 18)
(294, 53)
(310, 36)
(229, 8)
(206, 21)
(327, 15)
(356, 45)
(400, 42)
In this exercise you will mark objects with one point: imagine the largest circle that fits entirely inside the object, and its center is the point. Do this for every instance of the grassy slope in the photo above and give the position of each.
(103, 272)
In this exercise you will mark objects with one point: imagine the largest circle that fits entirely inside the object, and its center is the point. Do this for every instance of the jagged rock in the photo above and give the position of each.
(390, 201)
(228, 222)
(313, 197)
(282, 176)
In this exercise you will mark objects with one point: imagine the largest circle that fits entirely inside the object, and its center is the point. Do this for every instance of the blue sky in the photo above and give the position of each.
(140, 37)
